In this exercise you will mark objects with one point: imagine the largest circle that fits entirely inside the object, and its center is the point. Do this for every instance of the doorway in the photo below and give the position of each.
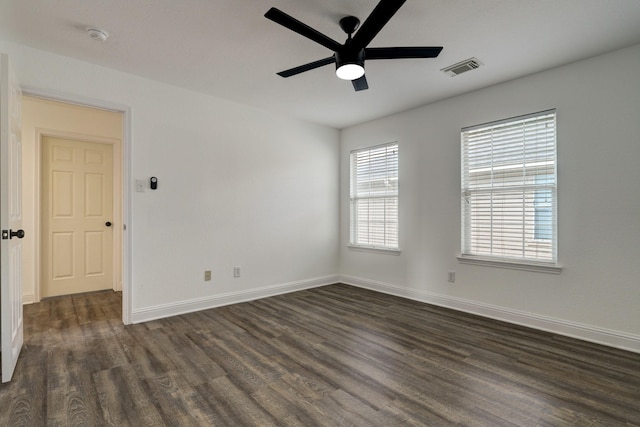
(92, 255)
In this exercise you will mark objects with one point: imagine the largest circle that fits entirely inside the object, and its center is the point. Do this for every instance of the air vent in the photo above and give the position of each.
(462, 67)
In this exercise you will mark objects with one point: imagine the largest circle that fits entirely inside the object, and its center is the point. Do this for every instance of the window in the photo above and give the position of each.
(374, 197)
(543, 220)
(509, 196)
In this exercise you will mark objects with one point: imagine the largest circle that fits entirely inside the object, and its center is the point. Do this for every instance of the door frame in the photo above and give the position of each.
(124, 158)
(42, 133)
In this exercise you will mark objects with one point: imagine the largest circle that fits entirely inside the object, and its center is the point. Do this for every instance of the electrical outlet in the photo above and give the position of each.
(236, 271)
(207, 275)
(452, 277)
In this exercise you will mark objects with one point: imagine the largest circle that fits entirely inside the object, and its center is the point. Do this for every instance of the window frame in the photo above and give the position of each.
(474, 188)
(354, 198)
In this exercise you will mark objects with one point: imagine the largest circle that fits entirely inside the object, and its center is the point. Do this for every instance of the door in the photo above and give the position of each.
(77, 214)
(10, 219)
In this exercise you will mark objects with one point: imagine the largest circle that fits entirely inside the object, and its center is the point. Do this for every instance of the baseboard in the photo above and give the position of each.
(581, 331)
(187, 306)
(29, 298)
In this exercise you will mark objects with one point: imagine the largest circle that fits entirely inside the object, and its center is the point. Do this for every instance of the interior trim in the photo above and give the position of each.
(28, 298)
(197, 304)
(608, 337)
(512, 265)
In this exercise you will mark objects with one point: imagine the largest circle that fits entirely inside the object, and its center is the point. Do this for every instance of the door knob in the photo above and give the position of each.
(19, 234)
(108, 223)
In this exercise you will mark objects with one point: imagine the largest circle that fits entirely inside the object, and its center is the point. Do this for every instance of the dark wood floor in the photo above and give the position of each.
(331, 356)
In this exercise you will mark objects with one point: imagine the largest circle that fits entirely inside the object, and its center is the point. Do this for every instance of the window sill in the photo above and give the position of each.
(374, 250)
(514, 265)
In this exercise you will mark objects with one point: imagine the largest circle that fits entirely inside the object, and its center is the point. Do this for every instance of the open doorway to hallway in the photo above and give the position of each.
(73, 180)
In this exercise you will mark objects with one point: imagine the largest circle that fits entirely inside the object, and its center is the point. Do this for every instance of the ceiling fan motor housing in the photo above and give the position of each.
(349, 56)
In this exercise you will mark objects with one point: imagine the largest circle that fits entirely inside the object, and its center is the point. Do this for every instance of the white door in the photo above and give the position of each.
(10, 219)
(77, 216)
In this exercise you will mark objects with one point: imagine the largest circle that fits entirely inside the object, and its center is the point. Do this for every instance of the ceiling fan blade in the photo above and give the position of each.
(306, 67)
(402, 52)
(360, 84)
(374, 23)
(278, 16)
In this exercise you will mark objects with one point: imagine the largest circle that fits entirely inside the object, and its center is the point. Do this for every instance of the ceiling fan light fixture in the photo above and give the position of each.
(350, 71)
(350, 65)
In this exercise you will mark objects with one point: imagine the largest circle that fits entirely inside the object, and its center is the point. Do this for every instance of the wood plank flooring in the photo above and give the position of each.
(331, 356)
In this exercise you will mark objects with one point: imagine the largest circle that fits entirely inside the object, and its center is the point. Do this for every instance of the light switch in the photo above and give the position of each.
(141, 184)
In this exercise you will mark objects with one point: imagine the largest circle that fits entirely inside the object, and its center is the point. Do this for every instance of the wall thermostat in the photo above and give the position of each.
(153, 183)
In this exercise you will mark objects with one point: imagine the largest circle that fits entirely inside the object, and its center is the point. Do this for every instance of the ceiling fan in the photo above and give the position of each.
(350, 56)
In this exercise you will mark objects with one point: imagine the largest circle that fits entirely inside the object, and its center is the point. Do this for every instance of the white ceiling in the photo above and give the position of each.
(227, 48)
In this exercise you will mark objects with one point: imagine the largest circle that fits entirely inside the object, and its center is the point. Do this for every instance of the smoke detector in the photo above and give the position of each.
(97, 34)
(462, 67)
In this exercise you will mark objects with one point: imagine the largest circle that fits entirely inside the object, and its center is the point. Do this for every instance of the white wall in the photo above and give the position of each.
(597, 295)
(237, 187)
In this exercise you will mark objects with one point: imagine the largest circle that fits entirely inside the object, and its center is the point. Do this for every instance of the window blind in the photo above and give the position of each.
(374, 197)
(509, 189)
